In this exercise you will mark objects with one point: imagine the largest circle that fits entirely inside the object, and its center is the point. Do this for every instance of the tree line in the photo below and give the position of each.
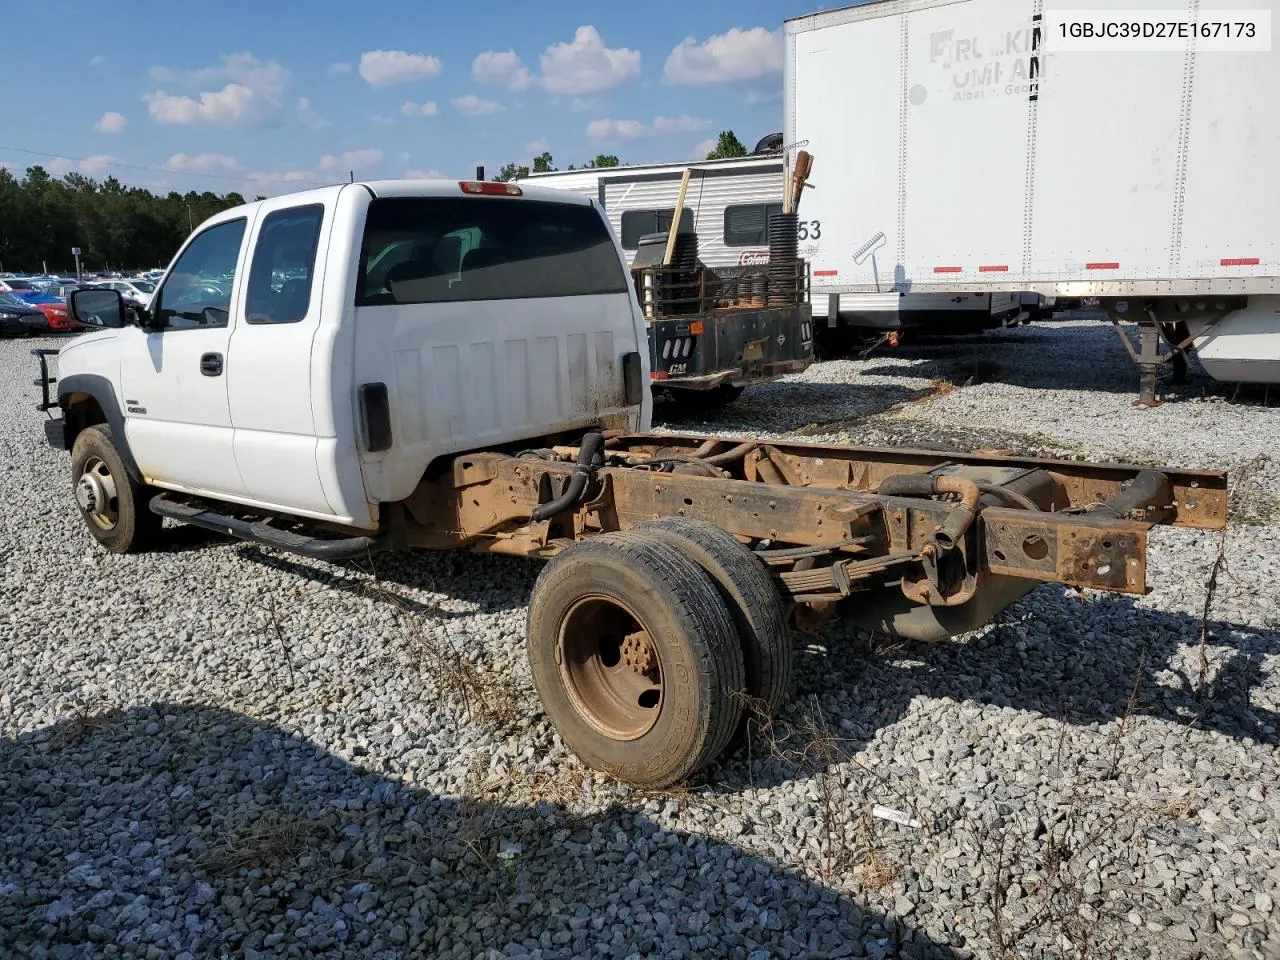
(115, 226)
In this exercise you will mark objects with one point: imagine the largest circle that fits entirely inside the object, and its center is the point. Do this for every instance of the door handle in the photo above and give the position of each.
(211, 364)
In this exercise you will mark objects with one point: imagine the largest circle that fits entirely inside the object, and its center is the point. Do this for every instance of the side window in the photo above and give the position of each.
(638, 223)
(747, 225)
(283, 265)
(197, 292)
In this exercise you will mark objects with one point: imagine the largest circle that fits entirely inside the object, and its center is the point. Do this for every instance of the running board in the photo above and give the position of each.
(259, 531)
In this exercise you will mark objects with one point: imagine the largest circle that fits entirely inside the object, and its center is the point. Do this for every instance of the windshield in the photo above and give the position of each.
(10, 299)
(20, 284)
(145, 286)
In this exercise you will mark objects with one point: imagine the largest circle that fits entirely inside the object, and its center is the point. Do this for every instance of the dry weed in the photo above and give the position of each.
(274, 839)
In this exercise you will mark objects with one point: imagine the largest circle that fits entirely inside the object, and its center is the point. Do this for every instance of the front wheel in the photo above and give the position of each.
(113, 504)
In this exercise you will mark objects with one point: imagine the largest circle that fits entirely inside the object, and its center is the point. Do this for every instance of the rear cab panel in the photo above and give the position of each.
(489, 319)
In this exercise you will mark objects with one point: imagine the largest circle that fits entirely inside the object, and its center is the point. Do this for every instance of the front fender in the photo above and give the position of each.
(99, 388)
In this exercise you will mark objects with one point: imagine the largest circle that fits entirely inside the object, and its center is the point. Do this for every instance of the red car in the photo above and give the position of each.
(59, 317)
(55, 310)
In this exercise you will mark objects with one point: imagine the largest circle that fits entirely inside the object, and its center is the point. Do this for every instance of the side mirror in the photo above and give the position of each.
(97, 308)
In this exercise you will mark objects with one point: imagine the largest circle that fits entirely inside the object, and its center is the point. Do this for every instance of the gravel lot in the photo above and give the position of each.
(213, 751)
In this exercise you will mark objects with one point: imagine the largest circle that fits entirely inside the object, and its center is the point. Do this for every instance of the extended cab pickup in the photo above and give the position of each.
(313, 354)
(463, 365)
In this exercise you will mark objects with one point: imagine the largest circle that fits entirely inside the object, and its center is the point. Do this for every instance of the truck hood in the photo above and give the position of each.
(85, 339)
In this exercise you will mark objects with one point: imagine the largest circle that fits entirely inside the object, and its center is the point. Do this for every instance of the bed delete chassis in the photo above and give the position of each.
(945, 528)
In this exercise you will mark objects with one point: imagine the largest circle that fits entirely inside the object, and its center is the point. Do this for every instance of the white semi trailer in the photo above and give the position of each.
(972, 145)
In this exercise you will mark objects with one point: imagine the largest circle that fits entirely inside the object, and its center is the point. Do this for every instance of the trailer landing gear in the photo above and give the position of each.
(1165, 319)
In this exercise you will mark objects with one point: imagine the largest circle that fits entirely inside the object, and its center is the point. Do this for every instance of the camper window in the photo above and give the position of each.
(747, 225)
(638, 223)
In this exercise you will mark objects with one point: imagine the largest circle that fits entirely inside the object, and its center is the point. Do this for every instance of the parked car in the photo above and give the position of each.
(139, 291)
(55, 311)
(17, 285)
(20, 319)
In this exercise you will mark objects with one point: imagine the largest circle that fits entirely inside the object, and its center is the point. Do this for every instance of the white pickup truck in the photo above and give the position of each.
(462, 365)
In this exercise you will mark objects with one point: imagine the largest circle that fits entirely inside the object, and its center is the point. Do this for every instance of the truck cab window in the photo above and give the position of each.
(638, 223)
(284, 262)
(441, 250)
(747, 224)
(197, 292)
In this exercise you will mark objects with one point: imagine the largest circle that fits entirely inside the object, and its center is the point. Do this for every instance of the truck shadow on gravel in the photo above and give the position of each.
(469, 577)
(174, 828)
(1094, 663)
(788, 405)
(1097, 363)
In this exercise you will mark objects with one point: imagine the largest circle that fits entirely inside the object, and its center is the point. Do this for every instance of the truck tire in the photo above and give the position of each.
(753, 601)
(636, 659)
(113, 504)
(704, 401)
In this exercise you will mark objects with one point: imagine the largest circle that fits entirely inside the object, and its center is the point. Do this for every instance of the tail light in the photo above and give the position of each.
(490, 188)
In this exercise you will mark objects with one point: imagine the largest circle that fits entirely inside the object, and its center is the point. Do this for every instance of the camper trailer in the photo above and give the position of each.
(728, 205)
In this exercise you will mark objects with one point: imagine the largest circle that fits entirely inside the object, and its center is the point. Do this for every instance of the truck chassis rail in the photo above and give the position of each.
(946, 529)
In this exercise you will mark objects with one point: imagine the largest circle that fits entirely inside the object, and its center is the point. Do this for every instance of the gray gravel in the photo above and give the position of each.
(214, 751)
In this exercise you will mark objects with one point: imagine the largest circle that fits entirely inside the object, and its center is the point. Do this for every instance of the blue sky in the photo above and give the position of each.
(264, 96)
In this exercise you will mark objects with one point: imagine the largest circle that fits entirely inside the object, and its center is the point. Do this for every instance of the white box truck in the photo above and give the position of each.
(967, 145)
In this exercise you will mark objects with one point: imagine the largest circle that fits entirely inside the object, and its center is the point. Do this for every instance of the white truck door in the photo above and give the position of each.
(269, 364)
(177, 420)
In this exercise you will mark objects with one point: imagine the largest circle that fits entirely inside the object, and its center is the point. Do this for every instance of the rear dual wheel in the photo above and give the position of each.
(642, 645)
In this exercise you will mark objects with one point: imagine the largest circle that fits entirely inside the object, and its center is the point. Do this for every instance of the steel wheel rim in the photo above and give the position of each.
(97, 495)
(610, 668)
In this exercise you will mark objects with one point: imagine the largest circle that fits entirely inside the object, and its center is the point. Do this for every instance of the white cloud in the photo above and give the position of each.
(609, 129)
(702, 149)
(97, 61)
(253, 91)
(582, 65)
(111, 122)
(383, 68)
(383, 121)
(309, 117)
(351, 160)
(201, 163)
(541, 145)
(586, 65)
(473, 106)
(338, 69)
(721, 58)
(424, 175)
(502, 67)
(278, 181)
(233, 104)
(681, 124)
(428, 109)
(578, 104)
(96, 164)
